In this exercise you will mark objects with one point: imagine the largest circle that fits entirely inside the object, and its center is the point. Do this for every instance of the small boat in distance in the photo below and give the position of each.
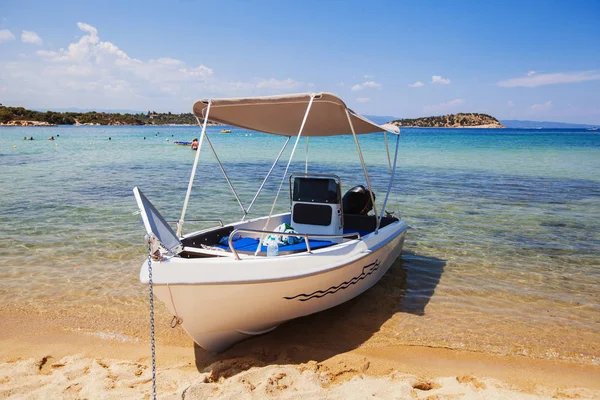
(225, 130)
(230, 282)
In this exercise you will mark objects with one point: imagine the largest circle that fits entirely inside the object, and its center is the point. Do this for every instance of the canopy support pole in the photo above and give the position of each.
(387, 150)
(387, 195)
(312, 97)
(362, 161)
(191, 183)
(306, 165)
(226, 177)
(267, 177)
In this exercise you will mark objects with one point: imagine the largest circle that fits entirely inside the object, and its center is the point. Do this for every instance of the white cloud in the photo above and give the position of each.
(369, 76)
(6, 35)
(535, 80)
(286, 84)
(541, 108)
(363, 100)
(166, 61)
(200, 72)
(444, 107)
(87, 28)
(93, 73)
(439, 80)
(416, 84)
(31, 37)
(341, 84)
(531, 73)
(367, 84)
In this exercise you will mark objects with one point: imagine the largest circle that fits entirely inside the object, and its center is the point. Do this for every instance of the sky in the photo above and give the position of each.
(529, 60)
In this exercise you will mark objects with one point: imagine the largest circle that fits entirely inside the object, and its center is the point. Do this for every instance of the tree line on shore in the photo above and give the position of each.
(8, 114)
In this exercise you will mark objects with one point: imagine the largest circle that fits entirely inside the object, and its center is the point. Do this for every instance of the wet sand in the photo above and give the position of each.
(46, 356)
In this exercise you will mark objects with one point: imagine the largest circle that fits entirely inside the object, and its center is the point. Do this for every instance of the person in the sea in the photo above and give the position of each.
(31, 138)
(24, 137)
(195, 144)
(51, 138)
(109, 138)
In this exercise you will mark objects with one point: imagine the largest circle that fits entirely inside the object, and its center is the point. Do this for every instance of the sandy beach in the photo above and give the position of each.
(48, 356)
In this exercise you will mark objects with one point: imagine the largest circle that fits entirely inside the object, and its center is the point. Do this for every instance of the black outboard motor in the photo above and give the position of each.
(357, 201)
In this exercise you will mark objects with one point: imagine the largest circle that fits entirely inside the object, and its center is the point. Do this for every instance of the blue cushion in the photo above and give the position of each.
(250, 244)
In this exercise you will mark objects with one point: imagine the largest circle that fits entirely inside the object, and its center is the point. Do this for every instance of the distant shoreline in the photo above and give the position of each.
(19, 116)
(486, 126)
(27, 123)
(22, 123)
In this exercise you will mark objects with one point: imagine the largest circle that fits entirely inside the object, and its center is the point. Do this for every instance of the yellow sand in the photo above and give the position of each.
(42, 358)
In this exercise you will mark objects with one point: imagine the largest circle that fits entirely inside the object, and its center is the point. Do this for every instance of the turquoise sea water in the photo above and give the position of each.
(503, 257)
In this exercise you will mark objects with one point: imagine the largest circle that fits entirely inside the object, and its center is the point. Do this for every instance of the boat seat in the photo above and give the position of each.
(248, 246)
(364, 224)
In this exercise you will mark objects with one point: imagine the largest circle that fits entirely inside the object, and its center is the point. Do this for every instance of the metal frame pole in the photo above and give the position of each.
(225, 175)
(391, 182)
(306, 165)
(362, 161)
(387, 150)
(267, 177)
(191, 183)
(312, 97)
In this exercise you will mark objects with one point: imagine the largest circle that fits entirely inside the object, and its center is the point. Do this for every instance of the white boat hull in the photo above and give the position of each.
(217, 312)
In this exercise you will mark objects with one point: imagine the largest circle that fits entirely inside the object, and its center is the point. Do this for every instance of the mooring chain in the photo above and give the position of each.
(151, 295)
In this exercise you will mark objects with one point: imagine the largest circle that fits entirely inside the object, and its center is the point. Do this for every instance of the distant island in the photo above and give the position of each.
(19, 116)
(460, 120)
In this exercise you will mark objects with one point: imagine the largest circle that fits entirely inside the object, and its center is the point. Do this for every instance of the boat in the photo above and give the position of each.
(224, 284)
(225, 130)
(182, 143)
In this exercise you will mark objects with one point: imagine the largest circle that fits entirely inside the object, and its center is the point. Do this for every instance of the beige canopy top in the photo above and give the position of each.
(283, 115)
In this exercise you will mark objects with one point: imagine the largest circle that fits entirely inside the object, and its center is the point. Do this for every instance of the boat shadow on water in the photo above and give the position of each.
(406, 288)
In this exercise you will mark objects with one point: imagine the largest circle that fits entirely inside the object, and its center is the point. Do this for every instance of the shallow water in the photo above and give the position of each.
(503, 257)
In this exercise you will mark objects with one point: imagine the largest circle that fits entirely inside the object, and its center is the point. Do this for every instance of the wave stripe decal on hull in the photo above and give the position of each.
(366, 271)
